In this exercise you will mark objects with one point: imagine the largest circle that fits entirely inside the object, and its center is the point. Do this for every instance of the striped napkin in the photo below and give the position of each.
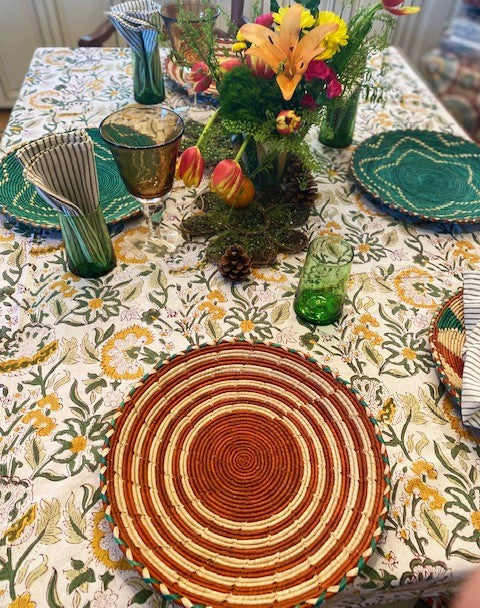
(471, 353)
(62, 168)
(138, 21)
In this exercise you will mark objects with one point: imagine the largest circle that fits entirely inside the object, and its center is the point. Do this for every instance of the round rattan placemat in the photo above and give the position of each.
(430, 175)
(447, 337)
(20, 200)
(243, 474)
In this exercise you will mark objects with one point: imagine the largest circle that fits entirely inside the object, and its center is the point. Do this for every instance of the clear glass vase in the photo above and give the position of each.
(148, 87)
(338, 125)
(264, 168)
(88, 245)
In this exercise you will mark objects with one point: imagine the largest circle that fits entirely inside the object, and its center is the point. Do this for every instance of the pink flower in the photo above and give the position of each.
(190, 167)
(228, 63)
(287, 122)
(334, 89)
(308, 102)
(227, 179)
(266, 19)
(258, 67)
(390, 6)
(318, 69)
(200, 75)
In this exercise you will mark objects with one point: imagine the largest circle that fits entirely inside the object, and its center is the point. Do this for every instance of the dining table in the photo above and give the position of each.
(71, 348)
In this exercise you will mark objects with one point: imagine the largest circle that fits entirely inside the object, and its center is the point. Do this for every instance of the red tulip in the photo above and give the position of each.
(266, 19)
(200, 75)
(258, 67)
(228, 63)
(318, 69)
(308, 102)
(334, 89)
(390, 6)
(287, 122)
(227, 179)
(190, 167)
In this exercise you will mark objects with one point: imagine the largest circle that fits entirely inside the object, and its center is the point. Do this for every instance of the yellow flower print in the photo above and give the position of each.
(422, 467)
(216, 312)
(23, 601)
(247, 326)
(455, 421)
(50, 401)
(411, 285)
(409, 354)
(104, 547)
(120, 352)
(383, 119)
(430, 495)
(95, 303)
(363, 330)
(217, 295)
(97, 84)
(43, 424)
(331, 229)
(369, 320)
(129, 246)
(387, 411)
(43, 99)
(64, 288)
(475, 519)
(14, 532)
(78, 444)
(465, 250)
(363, 247)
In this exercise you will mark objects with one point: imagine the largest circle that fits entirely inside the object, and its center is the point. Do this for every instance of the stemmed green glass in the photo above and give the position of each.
(323, 281)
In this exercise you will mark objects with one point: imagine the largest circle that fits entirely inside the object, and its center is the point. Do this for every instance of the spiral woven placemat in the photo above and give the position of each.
(241, 474)
(20, 200)
(433, 176)
(447, 337)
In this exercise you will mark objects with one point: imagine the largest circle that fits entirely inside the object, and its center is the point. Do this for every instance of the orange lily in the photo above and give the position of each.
(285, 52)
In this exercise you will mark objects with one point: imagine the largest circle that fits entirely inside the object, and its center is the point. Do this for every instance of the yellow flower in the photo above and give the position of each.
(129, 246)
(42, 423)
(216, 294)
(307, 20)
(95, 303)
(387, 411)
(78, 444)
(120, 352)
(426, 468)
(409, 354)
(364, 247)
(335, 40)
(369, 320)
(454, 420)
(411, 285)
(50, 401)
(475, 519)
(22, 601)
(216, 312)
(14, 532)
(247, 326)
(104, 547)
(331, 228)
(431, 495)
(465, 250)
(269, 275)
(63, 287)
(240, 45)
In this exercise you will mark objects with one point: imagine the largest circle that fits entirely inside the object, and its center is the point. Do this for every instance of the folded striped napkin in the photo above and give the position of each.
(62, 168)
(470, 404)
(138, 21)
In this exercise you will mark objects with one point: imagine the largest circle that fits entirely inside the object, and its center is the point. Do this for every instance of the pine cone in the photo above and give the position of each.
(235, 263)
(299, 185)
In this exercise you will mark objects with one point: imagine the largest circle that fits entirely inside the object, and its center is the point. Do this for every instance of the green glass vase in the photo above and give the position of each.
(264, 167)
(88, 245)
(148, 87)
(338, 125)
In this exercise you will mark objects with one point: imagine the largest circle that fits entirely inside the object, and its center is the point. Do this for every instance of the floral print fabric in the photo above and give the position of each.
(71, 348)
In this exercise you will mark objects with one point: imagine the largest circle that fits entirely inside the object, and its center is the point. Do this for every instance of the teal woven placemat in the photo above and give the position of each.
(434, 176)
(20, 200)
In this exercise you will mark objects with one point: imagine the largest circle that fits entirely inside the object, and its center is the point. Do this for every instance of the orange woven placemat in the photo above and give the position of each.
(241, 474)
(447, 337)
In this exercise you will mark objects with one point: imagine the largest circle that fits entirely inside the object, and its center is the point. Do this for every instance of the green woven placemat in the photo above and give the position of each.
(20, 200)
(434, 176)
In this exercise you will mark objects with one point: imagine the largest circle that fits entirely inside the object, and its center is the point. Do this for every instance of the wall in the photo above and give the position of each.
(27, 24)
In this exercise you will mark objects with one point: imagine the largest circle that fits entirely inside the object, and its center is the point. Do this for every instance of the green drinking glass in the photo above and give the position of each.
(87, 244)
(323, 281)
(148, 87)
(338, 125)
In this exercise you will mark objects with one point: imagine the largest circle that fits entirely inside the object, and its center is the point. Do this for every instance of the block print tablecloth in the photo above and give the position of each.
(70, 348)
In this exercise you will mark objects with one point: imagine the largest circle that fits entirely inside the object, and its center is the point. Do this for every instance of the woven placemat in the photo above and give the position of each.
(242, 474)
(178, 74)
(447, 337)
(433, 176)
(20, 200)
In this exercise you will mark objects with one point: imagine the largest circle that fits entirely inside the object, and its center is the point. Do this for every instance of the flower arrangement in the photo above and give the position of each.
(289, 65)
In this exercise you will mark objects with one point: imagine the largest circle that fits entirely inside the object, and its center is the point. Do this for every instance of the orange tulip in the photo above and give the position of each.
(190, 167)
(227, 179)
(245, 194)
(390, 6)
(285, 52)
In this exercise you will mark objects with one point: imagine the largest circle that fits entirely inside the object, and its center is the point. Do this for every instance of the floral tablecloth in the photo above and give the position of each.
(70, 348)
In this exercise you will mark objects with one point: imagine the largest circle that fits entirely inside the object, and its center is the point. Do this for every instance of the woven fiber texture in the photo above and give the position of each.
(242, 474)
(447, 337)
(19, 198)
(433, 176)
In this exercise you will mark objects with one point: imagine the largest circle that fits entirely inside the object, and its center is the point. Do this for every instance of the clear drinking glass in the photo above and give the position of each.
(323, 281)
(144, 142)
